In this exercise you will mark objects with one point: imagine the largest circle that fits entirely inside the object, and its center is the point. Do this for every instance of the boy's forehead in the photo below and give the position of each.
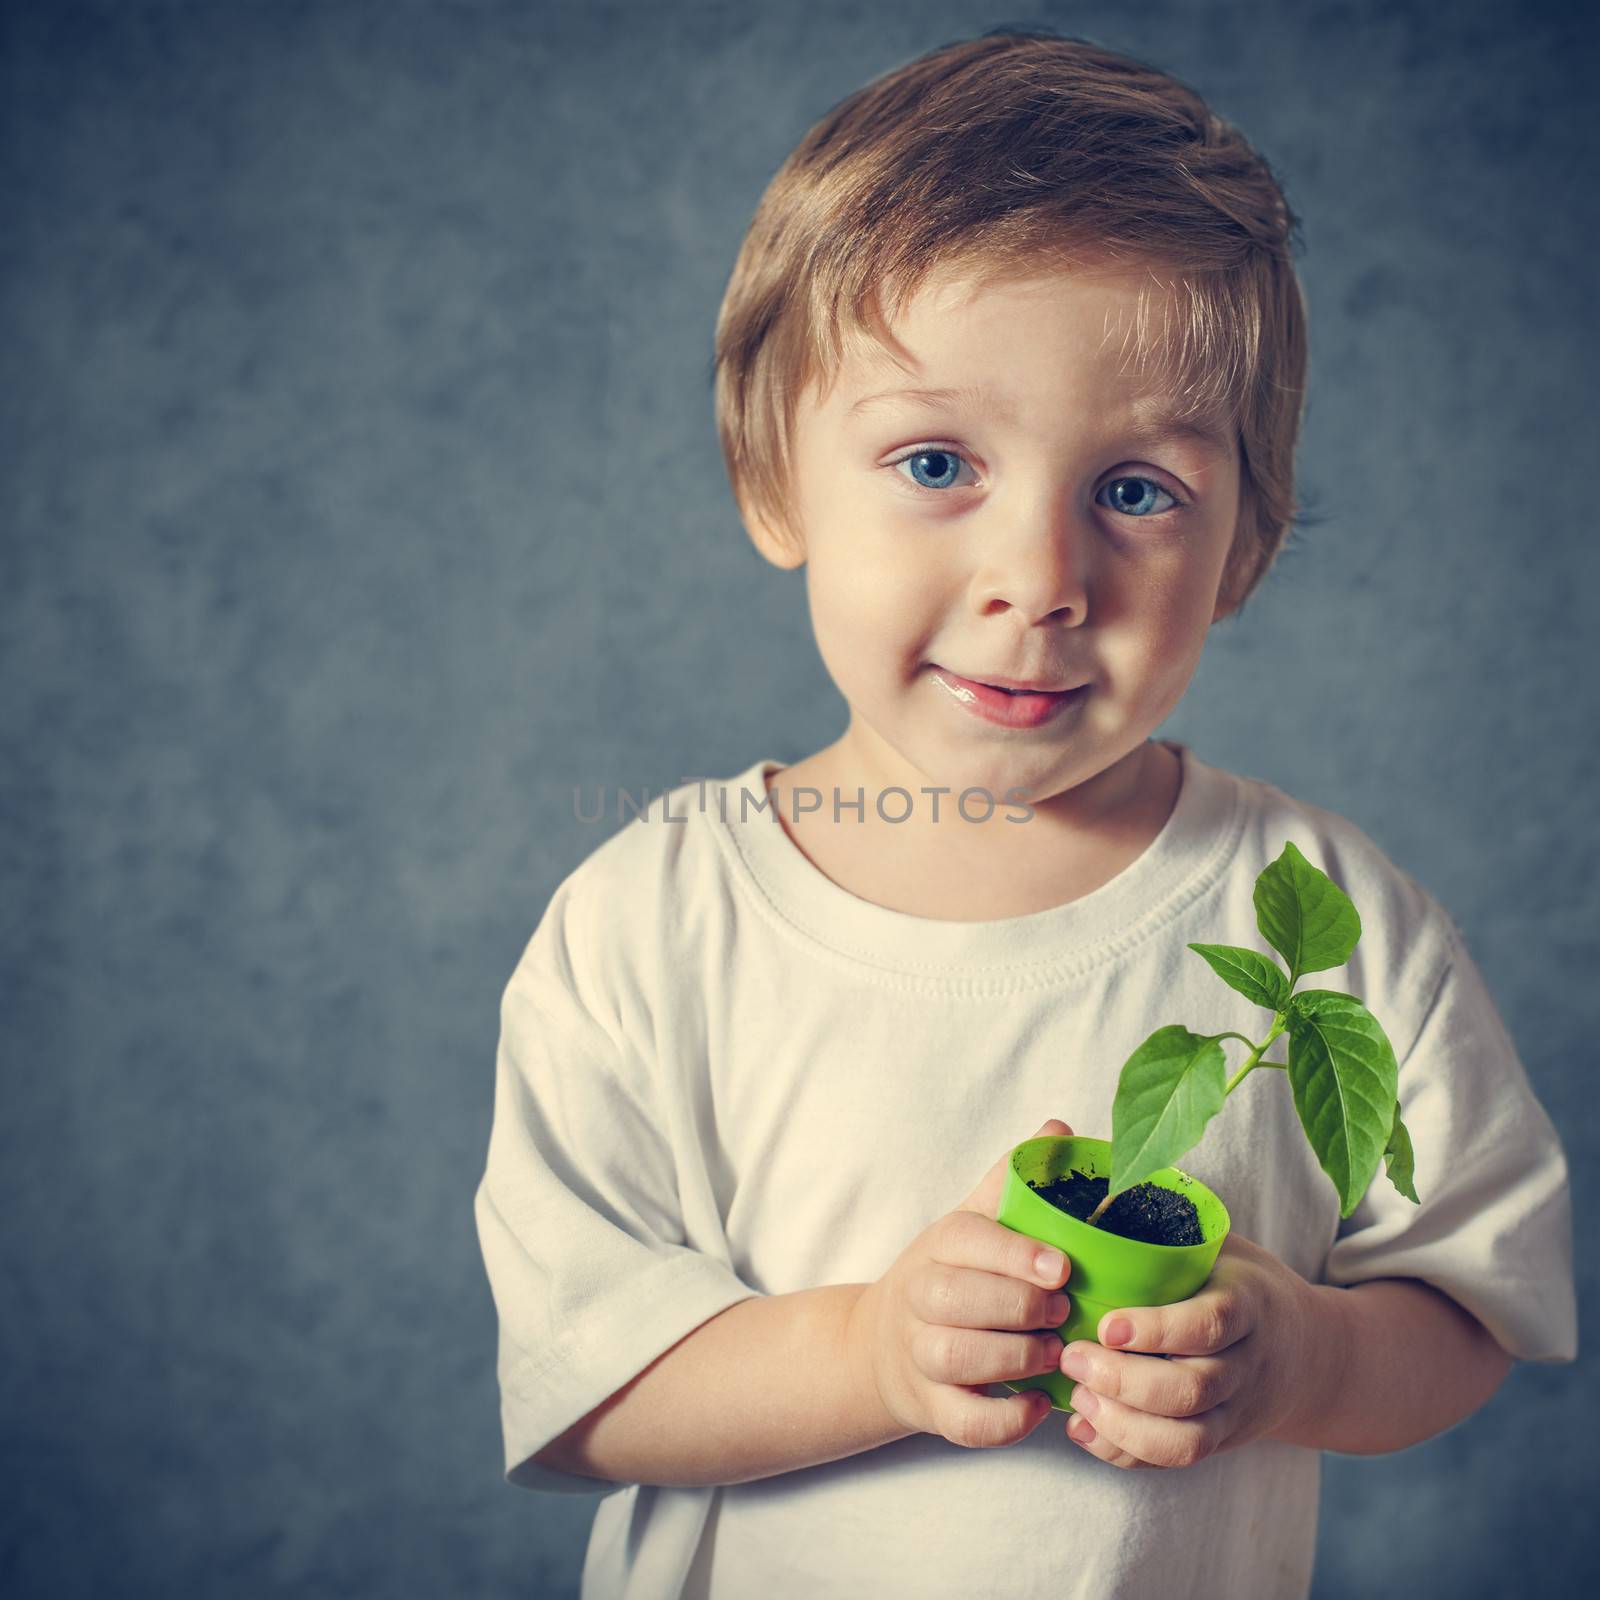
(934, 350)
(1103, 299)
(930, 365)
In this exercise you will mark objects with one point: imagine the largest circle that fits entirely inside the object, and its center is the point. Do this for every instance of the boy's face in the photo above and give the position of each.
(1026, 530)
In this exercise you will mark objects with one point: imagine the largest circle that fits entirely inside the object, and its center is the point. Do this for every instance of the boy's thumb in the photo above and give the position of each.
(985, 1199)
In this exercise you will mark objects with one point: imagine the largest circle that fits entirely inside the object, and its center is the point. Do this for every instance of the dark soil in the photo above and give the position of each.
(1146, 1212)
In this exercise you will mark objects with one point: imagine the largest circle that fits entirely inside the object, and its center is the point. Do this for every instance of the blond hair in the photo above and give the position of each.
(992, 158)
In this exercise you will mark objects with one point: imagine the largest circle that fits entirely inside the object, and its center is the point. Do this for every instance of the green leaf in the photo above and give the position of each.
(1169, 1089)
(1255, 976)
(1304, 915)
(1344, 1076)
(1399, 1160)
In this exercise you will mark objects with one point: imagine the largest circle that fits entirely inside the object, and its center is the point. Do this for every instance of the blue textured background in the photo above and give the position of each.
(360, 496)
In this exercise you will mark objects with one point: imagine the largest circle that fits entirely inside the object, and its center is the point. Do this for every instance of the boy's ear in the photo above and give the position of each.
(1228, 585)
(780, 549)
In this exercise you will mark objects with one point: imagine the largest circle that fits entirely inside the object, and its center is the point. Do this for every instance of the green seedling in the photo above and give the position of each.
(1341, 1066)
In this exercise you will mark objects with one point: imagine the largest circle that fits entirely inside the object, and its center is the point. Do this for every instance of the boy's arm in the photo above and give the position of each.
(1494, 1231)
(1399, 1363)
(768, 1385)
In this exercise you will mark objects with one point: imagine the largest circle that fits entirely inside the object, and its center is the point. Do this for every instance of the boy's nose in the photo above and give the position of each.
(1037, 569)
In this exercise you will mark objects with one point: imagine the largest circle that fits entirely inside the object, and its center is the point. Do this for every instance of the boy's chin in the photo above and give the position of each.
(1023, 774)
(1033, 773)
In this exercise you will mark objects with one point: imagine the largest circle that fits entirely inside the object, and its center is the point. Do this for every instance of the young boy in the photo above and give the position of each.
(1012, 362)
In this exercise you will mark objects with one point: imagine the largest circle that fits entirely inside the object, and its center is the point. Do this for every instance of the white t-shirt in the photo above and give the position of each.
(721, 1074)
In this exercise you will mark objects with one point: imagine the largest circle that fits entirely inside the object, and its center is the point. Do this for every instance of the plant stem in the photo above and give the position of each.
(1280, 1023)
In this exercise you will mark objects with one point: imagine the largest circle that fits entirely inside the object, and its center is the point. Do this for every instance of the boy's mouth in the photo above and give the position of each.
(1014, 686)
(1008, 702)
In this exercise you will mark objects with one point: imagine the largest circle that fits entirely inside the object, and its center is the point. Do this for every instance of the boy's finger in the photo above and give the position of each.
(969, 1417)
(1202, 1325)
(1082, 1433)
(1155, 1441)
(1185, 1386)
(988, 1259)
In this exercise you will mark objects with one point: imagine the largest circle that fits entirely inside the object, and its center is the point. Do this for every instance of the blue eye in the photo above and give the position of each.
(944, 460)
(1139, 505)
(946, 467)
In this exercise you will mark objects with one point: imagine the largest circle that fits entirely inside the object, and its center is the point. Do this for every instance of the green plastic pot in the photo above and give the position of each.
(1108, 1271)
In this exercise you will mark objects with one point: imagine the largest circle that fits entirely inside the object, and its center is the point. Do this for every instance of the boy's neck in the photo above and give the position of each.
(957, 871)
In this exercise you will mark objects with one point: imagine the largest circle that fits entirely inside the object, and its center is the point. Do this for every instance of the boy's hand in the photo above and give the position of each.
(1245, 1355)
(924, 1330)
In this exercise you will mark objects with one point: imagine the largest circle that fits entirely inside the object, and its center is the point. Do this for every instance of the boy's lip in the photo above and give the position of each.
(1030, 685)
(1028, 709)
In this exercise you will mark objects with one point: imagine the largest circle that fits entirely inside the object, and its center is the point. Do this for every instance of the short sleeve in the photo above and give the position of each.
(1494, 1229)
(577, 1211)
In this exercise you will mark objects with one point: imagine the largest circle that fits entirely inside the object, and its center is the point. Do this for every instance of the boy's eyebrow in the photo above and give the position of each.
(968, 394)
(1159, 426)
(1155, 427)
